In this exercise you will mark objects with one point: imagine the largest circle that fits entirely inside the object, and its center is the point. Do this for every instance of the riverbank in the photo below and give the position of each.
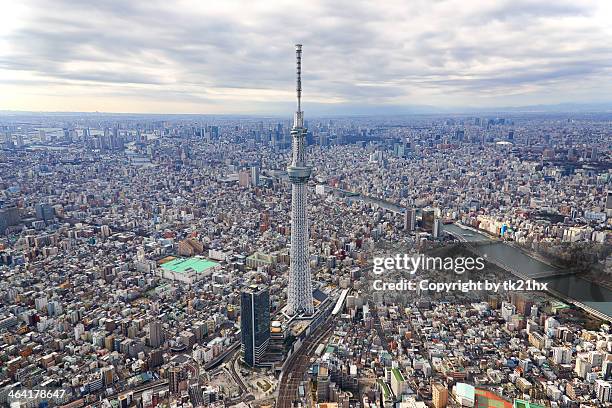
(604, 281)
(589, 296)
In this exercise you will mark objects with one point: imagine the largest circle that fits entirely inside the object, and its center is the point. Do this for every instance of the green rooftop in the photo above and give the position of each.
(398, 375)
(526, 404)
(182, 265)
(385, 389)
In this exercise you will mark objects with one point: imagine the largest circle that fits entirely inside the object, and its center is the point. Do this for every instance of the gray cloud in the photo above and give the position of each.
(239, 55)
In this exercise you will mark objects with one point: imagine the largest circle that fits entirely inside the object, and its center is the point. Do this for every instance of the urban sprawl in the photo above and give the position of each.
(195, 261)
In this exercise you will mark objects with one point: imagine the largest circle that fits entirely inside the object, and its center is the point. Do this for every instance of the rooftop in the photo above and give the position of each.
(385, 388)
(526, 404)
(398, 375)
(182, 265)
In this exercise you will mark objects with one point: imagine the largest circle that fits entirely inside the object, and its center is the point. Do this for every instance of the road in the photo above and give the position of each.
(221, 358)
(378, 326)
(245, 396)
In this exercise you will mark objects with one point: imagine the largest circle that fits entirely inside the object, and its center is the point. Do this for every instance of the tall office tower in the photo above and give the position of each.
(603, 390)
(174, 379)
(437, 227)
(583, 367)
(44, 211)
(195, 395)
(299, 292)
(9, 216)
(410, 219)
(254, 323)
(255, 176)
(427, 219)
(606, 367)
(156, 334)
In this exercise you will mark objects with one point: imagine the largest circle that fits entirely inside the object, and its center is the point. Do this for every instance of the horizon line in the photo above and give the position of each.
(418, 111)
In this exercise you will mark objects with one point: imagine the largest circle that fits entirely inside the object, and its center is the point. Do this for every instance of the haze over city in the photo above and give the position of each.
(364, 57)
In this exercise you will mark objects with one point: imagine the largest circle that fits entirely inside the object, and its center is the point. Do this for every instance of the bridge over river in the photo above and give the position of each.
(563, 283)
(591, 296)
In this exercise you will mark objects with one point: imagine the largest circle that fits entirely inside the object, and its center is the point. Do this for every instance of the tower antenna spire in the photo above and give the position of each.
(299, 115)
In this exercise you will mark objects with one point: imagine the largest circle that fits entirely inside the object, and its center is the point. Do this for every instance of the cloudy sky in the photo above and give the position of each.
(237, 56)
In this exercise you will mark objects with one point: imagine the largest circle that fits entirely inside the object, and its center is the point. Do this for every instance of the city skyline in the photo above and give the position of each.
(232, 58)
(406, 244)
(130, 246)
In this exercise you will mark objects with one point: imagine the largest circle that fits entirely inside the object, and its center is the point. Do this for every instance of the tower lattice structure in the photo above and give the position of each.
(299, 291)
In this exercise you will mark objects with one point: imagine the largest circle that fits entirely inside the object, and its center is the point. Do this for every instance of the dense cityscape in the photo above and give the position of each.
(132, 246)
(416, 213)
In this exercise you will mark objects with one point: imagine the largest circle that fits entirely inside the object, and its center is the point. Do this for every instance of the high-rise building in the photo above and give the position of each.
(255, 176)
(299, 291)
(399, 385)
(254, 323)
(460, 134)
(9, 216)
(156, 334)
(174, 379)
(427, 219)
(596, 358)
(583, 367)
(437, 228)
(603, 391)
(606, 367)
(41, 303)
(44, 211)
(156, 358)
(562, 355)
(244, 178)
(195, 395)
(108, 375)
(439, 395)
(410, 219)
(125, 400)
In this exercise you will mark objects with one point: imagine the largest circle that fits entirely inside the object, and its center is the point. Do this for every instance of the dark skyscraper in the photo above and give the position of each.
(255, 176)
(427, 219)
(410, 219)
(195, 395)
(175, 375)
(460, 134)
(156, 334)
(254, 323)
(44, 211)
(9, 216)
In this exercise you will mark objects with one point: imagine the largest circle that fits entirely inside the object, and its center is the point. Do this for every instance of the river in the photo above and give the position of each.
(573, 287)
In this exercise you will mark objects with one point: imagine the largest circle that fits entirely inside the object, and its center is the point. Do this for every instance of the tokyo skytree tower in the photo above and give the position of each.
(299, 292)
